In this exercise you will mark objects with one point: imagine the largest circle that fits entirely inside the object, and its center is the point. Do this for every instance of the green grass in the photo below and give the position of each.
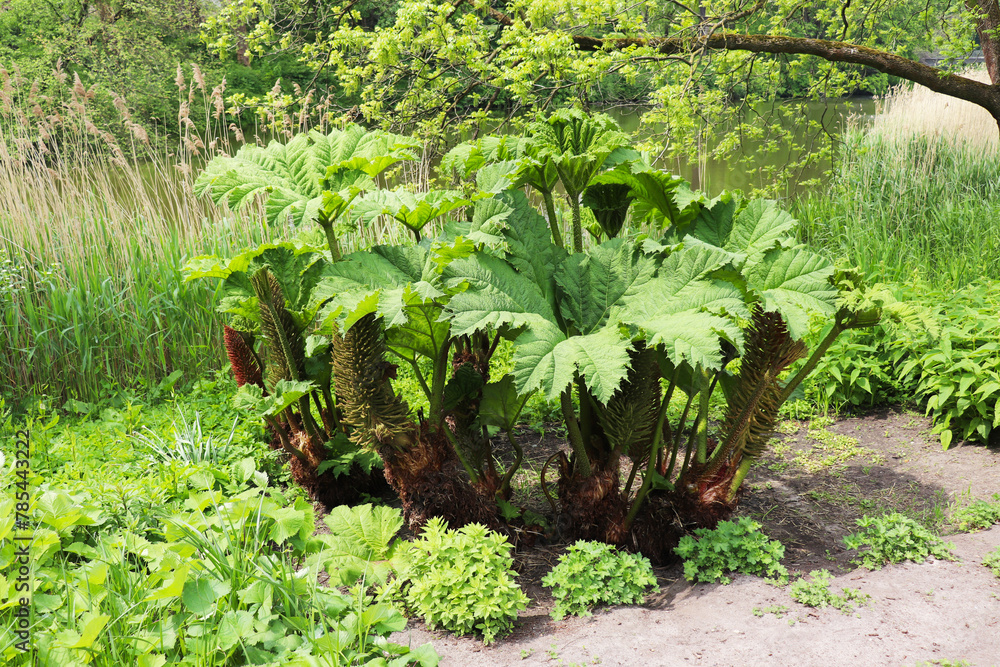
(121, 316)
(909, 208)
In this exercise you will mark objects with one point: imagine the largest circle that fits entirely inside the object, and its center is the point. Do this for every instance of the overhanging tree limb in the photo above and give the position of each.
(953, 85)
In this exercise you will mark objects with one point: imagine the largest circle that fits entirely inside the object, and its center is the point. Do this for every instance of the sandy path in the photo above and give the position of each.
(931, 611)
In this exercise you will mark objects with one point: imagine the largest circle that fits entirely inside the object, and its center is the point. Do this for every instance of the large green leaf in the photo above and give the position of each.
(529, 243)
(684, 310)
(591, 283)
(250, 398)
(499, 176)
(383, 280)
(423, 334)
(489, 219)
(578, 143)
(360, 544)
(296, 269)
(496, 295)
(795, 283)
(469, 157)
(292, 177)
(659, 196)
(355, 148)
(414, 210)
(548, 361)
(752, 232)
(502, 403)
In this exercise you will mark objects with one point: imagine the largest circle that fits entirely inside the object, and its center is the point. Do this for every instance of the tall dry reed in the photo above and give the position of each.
(913, 110)
(916, 193)
(94, 231)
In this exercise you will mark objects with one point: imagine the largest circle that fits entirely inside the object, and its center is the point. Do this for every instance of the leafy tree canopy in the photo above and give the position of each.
(462, 62)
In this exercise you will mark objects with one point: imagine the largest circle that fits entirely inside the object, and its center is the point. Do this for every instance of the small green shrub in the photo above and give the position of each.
(817, 593)
(992, 561)
(895, 538)
(979, 515)
(462, 581)
(734, 546)
(593, 573)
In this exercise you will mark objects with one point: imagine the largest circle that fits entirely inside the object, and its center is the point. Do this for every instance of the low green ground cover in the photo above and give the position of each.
(146, 559)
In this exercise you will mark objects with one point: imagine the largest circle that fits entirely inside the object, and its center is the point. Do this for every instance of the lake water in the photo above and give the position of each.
(713, 176)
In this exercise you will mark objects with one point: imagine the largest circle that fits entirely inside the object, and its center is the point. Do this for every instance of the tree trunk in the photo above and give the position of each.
(988, 30)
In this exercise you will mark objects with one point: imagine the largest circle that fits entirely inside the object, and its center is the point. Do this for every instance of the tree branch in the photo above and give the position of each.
(982, 94)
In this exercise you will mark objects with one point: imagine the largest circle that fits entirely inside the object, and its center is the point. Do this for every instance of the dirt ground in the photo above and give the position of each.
(818, 479)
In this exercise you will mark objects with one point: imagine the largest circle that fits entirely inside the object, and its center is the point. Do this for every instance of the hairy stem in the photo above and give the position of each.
(550, 210)
(701, 423)
(574, 202)
(647, 480)
(285, 443)
(738, 478)
(518, 457)
(331, 238)
(582, 462)
(814, 358)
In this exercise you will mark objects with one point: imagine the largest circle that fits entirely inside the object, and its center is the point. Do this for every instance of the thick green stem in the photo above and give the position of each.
(631, 478)
(331, 238)
(647, 481)
(439, 378)
(518, 457)
(701, 423)
(814, 358)
(738, 478)
(285, 443)
(684, 416)
(550, 210)
(331, 407)
(582, 462)
(741, 425)
(574, 202)
(473, 475)
(586, 419)
(319, 409)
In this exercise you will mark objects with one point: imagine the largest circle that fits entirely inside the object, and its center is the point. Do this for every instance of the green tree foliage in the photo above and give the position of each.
(459, 63)
(126, 47)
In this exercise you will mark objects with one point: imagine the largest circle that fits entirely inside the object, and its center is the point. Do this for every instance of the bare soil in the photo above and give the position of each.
(808, 493)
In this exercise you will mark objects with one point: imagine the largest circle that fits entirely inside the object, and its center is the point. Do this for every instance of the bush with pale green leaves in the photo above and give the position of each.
(592, 573)
(462, 580)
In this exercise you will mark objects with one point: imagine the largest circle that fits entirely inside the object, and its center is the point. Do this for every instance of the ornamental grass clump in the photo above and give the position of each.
(462, 580)
(591, 574)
